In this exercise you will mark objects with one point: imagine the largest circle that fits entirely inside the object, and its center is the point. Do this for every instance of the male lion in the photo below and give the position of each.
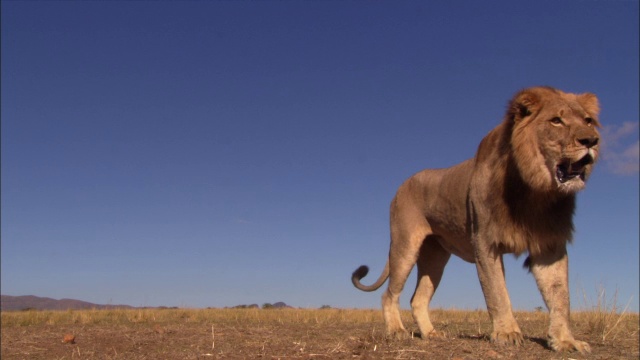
(516, 195)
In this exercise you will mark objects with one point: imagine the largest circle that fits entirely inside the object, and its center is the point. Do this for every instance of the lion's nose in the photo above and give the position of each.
(588, 141)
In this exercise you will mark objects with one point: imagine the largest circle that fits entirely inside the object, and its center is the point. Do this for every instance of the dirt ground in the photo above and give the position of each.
(256, 338)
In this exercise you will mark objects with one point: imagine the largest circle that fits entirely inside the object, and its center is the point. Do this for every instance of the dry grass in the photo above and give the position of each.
(292, 333)
(605, 315)
(167, 316)
(604, 320)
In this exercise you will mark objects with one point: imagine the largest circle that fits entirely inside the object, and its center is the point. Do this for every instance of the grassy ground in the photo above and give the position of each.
(294, 334)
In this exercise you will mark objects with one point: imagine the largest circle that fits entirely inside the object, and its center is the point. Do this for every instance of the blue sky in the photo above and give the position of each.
(220, 153)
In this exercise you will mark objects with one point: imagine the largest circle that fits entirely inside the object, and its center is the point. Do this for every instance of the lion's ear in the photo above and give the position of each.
(524, 104)
(590, 103)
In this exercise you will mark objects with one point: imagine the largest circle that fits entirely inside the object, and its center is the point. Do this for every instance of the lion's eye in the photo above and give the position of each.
(589, 121)
(556, 121)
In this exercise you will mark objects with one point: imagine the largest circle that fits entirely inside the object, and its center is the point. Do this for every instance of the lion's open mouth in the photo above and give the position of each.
(566, 170)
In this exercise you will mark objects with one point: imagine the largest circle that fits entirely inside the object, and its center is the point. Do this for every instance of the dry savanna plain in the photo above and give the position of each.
(295, 334)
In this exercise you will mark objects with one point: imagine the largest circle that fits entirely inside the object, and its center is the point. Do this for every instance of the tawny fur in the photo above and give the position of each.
(517, 195)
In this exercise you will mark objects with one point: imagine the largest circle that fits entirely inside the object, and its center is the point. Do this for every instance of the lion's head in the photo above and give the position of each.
(554, 138)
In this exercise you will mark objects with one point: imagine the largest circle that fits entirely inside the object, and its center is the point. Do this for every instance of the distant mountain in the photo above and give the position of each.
(8, 302)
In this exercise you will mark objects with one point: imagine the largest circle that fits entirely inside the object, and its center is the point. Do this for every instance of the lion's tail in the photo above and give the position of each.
(362, 271)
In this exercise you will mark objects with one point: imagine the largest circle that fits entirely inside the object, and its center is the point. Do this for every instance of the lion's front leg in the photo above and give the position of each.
(491, 274)
(551, 274)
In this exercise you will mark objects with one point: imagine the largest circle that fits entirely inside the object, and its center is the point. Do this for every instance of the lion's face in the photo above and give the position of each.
(555, 138)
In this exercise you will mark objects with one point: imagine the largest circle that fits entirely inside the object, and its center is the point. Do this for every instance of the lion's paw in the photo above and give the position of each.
(398, 334)
(507, 338)
(436, 335)
(569, 345)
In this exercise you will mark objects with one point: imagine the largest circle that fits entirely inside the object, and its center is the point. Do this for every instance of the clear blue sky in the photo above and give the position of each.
(220, 153)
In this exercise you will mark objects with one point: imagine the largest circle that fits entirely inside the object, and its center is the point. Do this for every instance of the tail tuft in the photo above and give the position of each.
(360, 272)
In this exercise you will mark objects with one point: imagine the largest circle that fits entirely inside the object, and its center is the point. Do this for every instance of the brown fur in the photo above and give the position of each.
(516, 195)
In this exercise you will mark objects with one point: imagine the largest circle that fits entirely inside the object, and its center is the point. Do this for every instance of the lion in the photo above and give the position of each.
(516, 195)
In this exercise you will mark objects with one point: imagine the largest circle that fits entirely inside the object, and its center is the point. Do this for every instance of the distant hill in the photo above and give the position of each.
(30, 302)
(278, 305)
(281, 305)
(243, 306)
(8, 302)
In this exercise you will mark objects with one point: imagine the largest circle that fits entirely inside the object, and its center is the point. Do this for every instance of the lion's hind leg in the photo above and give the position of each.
(431, 263)
(406, 240)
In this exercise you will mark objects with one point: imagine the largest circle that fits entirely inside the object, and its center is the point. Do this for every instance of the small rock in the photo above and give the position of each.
(69, 339)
